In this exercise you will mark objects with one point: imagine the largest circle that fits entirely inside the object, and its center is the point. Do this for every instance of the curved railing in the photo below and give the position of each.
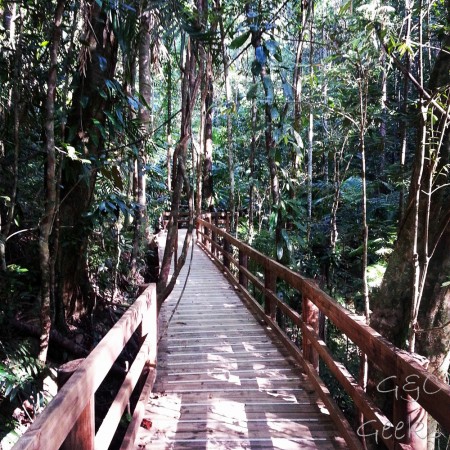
(68, 420)
(416, 391)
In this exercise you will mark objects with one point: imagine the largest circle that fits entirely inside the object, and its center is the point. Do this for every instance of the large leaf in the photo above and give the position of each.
(256, 68)
(253, 91)
(268, 87)
(239, 41)
(287, 91)
(260, 55)
(271, 46)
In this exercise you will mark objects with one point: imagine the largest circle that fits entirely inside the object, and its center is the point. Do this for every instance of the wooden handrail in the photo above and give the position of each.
(414, 385)
(220, 218)
(53, 426)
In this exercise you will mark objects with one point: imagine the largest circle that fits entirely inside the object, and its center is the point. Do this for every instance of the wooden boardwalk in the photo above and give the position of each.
(224, 381)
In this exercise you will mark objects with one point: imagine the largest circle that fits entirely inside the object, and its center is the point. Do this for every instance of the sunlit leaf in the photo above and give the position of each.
(271, 46)
(239, 41)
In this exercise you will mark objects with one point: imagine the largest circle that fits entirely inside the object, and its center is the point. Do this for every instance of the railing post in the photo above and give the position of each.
(310, 314)
(149, 324)
(82, 434)
(410, 419)
(208, 232)
(214, 235)
(243, 263)
(175, 250)
(270, 283)
(227, 221)
(226, 249)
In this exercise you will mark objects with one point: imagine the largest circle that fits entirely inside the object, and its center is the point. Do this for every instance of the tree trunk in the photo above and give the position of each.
(228, 101)
(46, 224)
(208, 188)
(189, 89)
(404, 106)
(144, 117)
(78, 180)
(393, 304)
(269, 141)
(15, 97)
(251, 200)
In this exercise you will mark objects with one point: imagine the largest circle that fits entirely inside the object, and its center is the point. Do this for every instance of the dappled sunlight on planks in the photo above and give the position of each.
(224, 380)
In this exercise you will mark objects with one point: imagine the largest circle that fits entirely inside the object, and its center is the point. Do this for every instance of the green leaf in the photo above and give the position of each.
(256, 68)
(344, 8)
(274, 114)
(298, 139)
(253, 91)
(279, 251)
(44, 43)
(271, 46)
(286, 239)
(268, 87)
(239, 41)
(287, 91)
(260, 55)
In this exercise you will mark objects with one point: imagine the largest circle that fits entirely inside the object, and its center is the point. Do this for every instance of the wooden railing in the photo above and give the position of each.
(415, 391)
(220, 218)
(68, 420)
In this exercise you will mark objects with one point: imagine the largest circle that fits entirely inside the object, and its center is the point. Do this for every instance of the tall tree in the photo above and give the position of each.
(97, 64)
(144, 117)
(228, 101)
(414, 299)
(189, 88)
(46, 224)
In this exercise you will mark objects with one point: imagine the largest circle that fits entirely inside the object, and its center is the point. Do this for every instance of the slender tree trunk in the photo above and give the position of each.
(228, 100)
(198, 150)
(311, 124)
(363, 95)
(208, 187)
(404, 106)
(269, 141)
(189, 89)
(45, 226)
(169, 126)
(144, 117)
(363, 86)
(16, 20)
(251, 201)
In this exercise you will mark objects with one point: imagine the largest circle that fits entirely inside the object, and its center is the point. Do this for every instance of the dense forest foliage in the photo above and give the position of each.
(323, 123)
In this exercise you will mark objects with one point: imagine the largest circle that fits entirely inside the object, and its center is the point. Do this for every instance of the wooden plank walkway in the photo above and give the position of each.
(224, 381)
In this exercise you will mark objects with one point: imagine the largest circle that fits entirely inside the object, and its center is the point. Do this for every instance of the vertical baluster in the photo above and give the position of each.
(214, 234)
(243, 263)
(226, 250)
(270, 283)
(208, 232)
(310, 315)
